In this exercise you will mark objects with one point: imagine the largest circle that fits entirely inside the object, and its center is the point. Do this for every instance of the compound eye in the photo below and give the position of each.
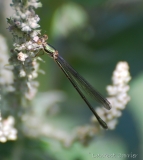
(45, 36)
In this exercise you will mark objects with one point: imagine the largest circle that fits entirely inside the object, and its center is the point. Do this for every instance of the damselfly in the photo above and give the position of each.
(78, 82)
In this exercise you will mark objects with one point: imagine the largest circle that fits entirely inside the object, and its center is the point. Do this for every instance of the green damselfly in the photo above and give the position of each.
(78, 82)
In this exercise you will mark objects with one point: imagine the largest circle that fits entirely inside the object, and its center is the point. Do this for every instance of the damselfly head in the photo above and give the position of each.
(45, 37)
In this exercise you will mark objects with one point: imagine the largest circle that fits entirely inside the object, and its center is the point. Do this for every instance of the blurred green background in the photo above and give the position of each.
(93, 36)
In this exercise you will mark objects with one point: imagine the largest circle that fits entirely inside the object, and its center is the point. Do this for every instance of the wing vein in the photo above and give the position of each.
(71, 75)
(86, 87)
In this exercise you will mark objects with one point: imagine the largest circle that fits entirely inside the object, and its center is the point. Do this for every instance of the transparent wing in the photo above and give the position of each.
(82, 86)
(86, 87)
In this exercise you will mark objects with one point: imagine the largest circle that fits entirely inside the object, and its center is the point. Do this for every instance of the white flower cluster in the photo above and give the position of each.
(30, 45)
(23, 25)
(7, 131)
(24, 19)
(118, 95)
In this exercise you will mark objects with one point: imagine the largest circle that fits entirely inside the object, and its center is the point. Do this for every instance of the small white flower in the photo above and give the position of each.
(35, 33)
(30, 77)
(26, 28)
(12, 137)
(3, 139)
(36, 18)
(33, 24)
(21, 56)
(22, 73)
(27, 13)
(34, 75)
(29, 47)
(23, 16)
(112, 124)
(35, 38)
(37, 5)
